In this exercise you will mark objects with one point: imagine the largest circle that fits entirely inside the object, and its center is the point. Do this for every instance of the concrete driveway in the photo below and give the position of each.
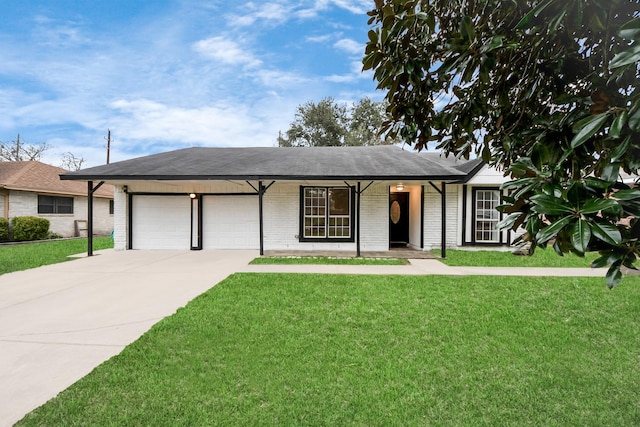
(60, 321)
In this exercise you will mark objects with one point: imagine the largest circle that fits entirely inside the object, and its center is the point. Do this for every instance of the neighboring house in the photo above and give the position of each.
(35, 189)
(326, 198)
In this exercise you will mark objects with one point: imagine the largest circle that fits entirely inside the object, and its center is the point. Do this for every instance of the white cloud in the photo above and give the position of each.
(226, 50)
(350, 46)
(273, 13)
(319, 39)
(359, 7)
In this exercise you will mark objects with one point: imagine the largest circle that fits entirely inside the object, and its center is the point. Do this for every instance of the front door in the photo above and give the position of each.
(399, 219)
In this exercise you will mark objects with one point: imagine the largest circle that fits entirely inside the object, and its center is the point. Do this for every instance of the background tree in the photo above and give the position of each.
(328, 123)
(71, 162)
(321, 124)
(16, 151)
(545, 89)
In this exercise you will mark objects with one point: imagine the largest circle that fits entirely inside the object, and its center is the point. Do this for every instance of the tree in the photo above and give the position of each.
(547, 90)
(328, 123)
(315, 125)
(365, 122)
(16, 151)
(71, 162)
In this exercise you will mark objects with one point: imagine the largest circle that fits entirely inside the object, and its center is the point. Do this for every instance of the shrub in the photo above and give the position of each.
(29, 228)
(4, 230)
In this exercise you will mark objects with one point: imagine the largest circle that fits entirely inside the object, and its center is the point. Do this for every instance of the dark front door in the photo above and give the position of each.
(398, 219)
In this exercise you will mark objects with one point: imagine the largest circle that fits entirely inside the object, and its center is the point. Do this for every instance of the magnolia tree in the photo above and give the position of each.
(546, 90)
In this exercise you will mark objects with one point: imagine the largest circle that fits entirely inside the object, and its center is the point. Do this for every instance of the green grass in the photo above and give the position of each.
(30, 255)
(541, 258)
(276, 349)
(330, 260)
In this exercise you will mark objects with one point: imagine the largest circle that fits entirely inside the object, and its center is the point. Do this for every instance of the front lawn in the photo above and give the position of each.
(541, 258)
(31, 255)
(330, 260)
(293, 349)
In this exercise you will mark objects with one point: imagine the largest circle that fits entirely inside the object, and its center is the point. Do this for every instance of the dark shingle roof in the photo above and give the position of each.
(319, 163)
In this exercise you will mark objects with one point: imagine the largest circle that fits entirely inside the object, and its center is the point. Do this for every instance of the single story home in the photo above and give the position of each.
(301, 199)
(33, 188)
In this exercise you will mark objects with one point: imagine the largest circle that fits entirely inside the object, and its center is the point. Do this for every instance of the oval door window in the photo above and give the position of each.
(394, 212)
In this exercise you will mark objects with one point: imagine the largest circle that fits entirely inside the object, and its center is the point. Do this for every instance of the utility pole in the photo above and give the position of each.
(18, 148)
(108, 144)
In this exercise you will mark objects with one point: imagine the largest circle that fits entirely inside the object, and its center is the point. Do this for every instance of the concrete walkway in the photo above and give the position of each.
(58, 322)
(424, 267)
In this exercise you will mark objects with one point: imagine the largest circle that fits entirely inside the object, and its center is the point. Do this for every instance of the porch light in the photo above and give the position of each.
(399, 187)
(192, 195)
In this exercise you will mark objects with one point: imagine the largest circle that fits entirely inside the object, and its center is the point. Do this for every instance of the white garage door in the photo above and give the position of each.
(161, 222)
(230, 222)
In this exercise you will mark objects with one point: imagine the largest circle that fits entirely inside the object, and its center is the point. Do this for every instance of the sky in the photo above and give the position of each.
(170, 74)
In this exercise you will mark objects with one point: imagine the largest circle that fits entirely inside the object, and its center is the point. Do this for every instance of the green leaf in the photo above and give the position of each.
(526, 20)
(630, 30)
(621, 150)
(610, 172)
(608, 233)
(581, 235)
(494, 43)
(467, 28)
(634, 119)
(508, 222)
(550, 205)
(550, 231)
(597, 205)
(616, 127)
(586, 128)
(626, 57)
(629, 194)
(605, 260)
(614, 275)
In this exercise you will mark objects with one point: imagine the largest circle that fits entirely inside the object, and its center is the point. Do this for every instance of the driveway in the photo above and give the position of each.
(58, 322)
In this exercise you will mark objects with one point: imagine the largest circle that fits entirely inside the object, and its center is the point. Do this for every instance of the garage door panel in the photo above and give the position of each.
(231, 222)
(161, 222)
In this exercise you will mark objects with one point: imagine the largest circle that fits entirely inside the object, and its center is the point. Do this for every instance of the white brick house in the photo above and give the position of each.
(301, 199)
(34, 189)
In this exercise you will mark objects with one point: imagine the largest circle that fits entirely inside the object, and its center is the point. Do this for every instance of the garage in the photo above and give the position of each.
(161, 222)
(230, 222)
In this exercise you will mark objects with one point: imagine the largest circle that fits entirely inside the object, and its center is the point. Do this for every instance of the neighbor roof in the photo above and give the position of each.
(264, 163)
(39, 177)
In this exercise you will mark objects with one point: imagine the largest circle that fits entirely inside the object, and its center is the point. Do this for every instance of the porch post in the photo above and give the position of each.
(260, 197)
(358, 221)
(422, 217)
(443, 195)
(90, 218)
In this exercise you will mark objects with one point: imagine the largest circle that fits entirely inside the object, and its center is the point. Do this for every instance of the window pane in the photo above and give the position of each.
(339, 201)
(64, 205)
(45, 205)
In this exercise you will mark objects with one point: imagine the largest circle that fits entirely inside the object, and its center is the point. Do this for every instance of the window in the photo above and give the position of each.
(111, 207)
(487, 216)
(55, 205)
(326, 214)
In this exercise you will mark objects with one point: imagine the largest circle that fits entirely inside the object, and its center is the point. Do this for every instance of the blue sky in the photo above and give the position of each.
(169, 74)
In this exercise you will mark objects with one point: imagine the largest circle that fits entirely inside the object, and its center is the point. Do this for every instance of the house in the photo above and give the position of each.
(301, 199)
(33, 188)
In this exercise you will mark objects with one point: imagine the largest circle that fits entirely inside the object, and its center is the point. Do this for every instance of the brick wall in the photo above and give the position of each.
(25, 203)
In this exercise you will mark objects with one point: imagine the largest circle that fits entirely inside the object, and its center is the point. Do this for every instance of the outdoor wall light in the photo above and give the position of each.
(399, 187)
(192, 195)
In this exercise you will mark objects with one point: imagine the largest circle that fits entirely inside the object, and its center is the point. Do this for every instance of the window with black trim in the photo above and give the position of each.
(486, 215)
(326, 214)
(55, 205)
(111, 207)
